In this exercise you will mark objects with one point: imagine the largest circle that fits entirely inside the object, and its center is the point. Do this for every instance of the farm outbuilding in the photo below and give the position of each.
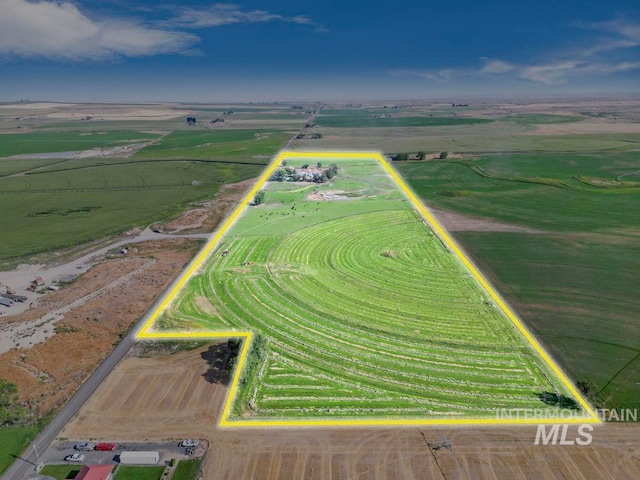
(139, 458)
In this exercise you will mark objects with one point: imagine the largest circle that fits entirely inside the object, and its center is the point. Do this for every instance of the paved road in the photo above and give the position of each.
(24, 465)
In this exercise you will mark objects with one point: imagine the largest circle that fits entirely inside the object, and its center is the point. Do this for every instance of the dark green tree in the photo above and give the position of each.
(278, 176)
(320, 177)
(444, 155)
(259, 198)
(588, 389)
(421, 155)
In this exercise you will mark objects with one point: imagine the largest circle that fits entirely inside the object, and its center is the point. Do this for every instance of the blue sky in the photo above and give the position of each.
(118, 50)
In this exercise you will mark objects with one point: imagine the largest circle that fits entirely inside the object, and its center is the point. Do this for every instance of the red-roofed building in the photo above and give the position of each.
(95, 472)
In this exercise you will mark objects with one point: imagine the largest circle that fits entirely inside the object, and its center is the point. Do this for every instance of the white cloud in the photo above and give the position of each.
(440, 76)
(227, 13)
(617, 38)
(549, 73)
(618, 34)
(496, 66)
(60, 30)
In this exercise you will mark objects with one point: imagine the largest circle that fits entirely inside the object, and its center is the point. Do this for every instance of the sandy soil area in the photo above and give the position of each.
(142, 113)
(110, 302)
(77, 111)
(36, 105)
(178, 396)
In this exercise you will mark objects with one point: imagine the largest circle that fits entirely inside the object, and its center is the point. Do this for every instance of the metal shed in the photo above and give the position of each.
(139, 458)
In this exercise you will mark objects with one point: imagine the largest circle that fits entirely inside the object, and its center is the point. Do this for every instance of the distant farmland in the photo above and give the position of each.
(574, 280)
(359, 311)
(52, 203)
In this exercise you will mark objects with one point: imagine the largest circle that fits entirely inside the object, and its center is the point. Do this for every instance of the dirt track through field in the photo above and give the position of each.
(181, 395)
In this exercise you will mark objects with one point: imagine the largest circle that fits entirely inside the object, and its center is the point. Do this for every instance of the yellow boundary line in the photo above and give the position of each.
(147, 333)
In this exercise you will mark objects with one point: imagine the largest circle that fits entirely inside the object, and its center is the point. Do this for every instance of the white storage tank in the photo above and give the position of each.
(139, 458)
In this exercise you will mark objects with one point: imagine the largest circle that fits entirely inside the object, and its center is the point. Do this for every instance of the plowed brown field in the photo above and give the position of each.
(181, 395)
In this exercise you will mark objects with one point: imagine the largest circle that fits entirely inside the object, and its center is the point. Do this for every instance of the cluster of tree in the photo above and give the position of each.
(11, 412)
(588, 389)
(289, 174)
(233, 345)
(255, 357)
(309, 136)
(403, 157)
(258, 198)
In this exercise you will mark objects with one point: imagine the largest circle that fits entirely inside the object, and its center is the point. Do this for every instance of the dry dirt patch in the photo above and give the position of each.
(47, 373)
(458, 222)
(209, 214)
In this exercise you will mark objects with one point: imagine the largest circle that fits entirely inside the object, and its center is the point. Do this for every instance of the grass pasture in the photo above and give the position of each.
(359, 310)
(13, 440)
(61, 472)
(128, 472)
(187, 469)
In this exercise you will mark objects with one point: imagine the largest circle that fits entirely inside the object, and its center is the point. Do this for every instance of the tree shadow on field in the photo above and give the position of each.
(558, 400)
(220, 358)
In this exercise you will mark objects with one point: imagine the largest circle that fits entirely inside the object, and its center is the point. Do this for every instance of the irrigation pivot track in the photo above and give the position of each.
(370, 312)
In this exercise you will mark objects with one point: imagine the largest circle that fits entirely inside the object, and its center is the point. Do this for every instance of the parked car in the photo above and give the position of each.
(75, 457)
(84, 446)
(105, 447)
(189, 442)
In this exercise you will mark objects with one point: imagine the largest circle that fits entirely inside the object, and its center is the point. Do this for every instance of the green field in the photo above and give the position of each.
(541, 119)
(60, 472)
(83, 200)
(77, 200)
(574, 281)
(44, 142)
(126, 472)
(13, 440)
(187, 469)
(359, 309)
(367, 119)
(231, 144)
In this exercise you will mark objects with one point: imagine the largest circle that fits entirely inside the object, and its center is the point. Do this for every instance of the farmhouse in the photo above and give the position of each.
(38, 282)
(95, 472)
